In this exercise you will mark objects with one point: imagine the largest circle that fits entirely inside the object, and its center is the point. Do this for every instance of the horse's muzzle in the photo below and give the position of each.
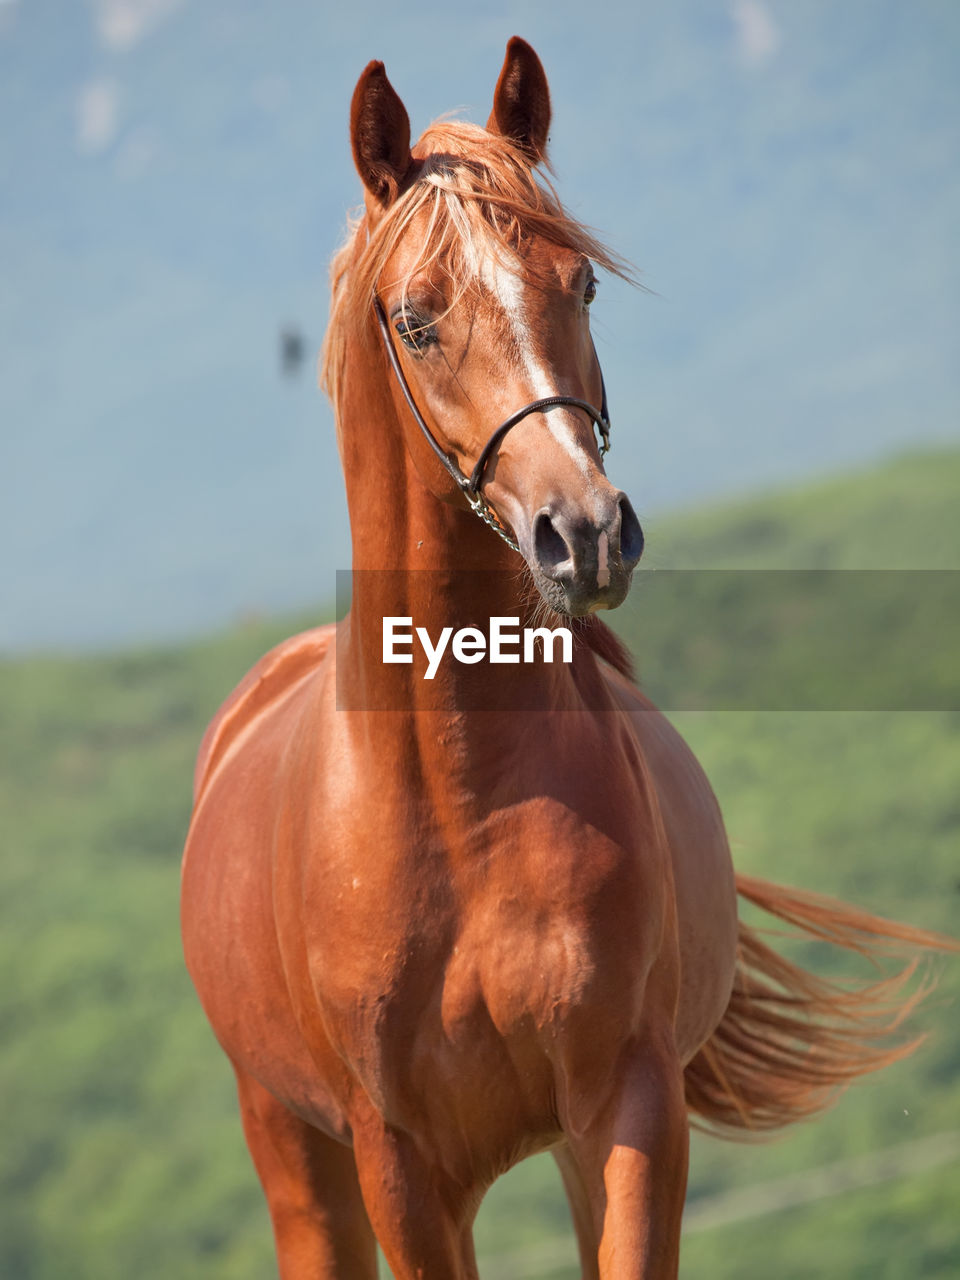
(579, 563)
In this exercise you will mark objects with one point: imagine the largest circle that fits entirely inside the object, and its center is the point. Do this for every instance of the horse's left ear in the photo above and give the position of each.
(521, 100)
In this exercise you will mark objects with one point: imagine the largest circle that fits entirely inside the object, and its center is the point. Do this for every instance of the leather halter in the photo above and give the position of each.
(470, 485)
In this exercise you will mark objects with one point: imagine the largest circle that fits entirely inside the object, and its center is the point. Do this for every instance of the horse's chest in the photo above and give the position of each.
(446, 979)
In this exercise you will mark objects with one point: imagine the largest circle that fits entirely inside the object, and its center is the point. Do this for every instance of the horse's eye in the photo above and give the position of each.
(590, 292)
(414, 333)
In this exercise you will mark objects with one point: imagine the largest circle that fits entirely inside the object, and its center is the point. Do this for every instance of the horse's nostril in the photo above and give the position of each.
(548, 545)
(631, 535)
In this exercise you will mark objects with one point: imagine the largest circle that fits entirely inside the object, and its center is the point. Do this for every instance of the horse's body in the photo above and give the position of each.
(468, 977)
(434, 941)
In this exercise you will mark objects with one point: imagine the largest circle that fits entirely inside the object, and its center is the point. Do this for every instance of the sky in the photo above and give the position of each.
(176, 176)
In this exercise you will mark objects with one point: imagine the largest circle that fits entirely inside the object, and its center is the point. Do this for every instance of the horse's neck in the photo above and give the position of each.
(395, 521)
(417, 557)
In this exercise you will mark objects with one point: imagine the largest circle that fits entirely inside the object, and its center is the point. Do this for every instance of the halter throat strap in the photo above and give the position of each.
(470, 485)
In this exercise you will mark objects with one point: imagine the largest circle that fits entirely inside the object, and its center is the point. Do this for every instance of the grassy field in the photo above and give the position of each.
(121, 1152)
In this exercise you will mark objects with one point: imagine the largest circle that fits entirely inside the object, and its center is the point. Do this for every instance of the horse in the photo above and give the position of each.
(440, 925)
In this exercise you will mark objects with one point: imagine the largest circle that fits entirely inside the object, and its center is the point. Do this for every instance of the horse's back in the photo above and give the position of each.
(268, 682)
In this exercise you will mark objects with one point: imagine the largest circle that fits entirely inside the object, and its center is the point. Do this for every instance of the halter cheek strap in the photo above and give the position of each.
(470, 485)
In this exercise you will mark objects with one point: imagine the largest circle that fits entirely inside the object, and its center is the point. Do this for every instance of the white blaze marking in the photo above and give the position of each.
(508, 287)
(603, 553)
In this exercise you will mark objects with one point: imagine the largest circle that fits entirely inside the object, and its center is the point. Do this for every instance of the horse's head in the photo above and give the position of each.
(482, 284)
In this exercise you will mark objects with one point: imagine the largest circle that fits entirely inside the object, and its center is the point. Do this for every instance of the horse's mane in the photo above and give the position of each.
(606, 644)
(480, 196)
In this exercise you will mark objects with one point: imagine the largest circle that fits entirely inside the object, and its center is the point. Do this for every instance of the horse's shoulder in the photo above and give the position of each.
(286, 665)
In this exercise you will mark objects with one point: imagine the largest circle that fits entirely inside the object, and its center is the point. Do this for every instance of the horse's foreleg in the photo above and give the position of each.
(632, 1151)
(421, 1217)
(310, 1180)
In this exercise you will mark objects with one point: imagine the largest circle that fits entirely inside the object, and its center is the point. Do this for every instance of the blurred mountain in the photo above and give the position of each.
(175, 179)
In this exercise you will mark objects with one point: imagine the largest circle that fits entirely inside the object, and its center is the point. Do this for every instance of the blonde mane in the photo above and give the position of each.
(481, 197)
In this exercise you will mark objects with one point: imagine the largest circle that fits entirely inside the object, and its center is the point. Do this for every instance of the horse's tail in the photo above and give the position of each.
(789, 1041)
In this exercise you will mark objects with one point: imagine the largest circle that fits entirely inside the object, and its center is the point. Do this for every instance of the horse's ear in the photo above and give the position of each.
(521, 100)
(379, 134)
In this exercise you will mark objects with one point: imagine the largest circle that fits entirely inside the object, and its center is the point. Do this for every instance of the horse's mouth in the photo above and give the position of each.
(575, 598)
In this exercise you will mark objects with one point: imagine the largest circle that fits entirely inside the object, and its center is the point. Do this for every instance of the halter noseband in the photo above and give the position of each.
(470, 485)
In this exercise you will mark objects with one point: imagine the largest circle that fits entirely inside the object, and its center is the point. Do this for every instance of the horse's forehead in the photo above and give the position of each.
(498, 266)
(475, 254)
(504, 279)
(506, 272)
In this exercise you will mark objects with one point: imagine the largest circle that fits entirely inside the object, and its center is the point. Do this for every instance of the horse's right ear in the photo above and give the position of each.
(379, 134)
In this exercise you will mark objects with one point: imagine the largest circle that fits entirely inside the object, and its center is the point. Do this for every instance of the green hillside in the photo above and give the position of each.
(776, 602)
(122, 1154)
(901, 514)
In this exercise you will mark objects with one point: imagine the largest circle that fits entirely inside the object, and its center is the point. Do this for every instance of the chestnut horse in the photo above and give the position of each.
(435, 933)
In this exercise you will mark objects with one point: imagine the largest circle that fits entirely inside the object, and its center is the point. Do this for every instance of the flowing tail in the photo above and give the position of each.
(789, 1041)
